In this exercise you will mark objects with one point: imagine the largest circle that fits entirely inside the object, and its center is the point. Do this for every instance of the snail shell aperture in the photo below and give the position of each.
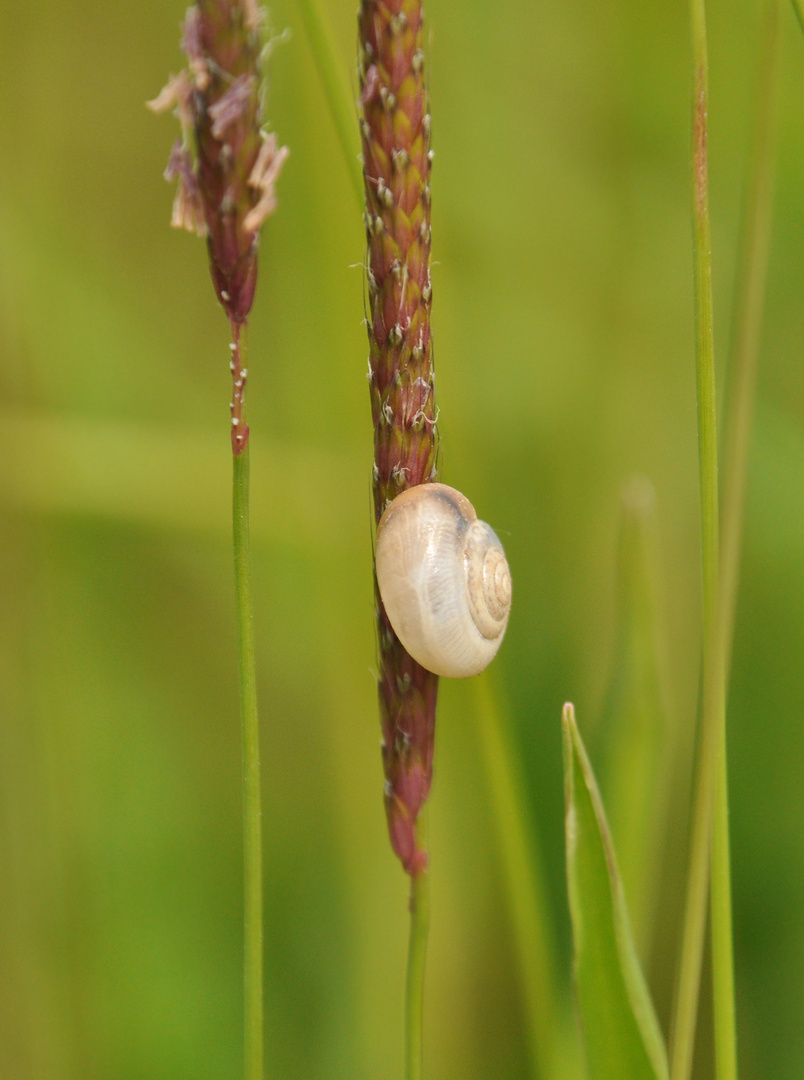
(443, 579)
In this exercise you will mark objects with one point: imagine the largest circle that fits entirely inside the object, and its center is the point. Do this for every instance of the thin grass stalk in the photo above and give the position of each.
(226, 164)
(252, 804)
(708, 853)
(749, 307)
(254, 1051)
(417, 952)
(743, 368)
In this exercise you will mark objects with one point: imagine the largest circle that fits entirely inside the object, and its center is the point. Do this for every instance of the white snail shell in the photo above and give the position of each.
(443, 579)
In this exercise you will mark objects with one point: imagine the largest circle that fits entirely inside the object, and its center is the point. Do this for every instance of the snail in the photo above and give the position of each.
(443, 579)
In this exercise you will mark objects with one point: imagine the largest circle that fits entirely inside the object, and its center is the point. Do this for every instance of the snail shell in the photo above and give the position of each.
(443, 579)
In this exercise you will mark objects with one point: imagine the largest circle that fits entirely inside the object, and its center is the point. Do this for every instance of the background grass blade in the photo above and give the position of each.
(634, 775)
(709, 846)
(621, 1033)
(549, 1022)
(336, 89)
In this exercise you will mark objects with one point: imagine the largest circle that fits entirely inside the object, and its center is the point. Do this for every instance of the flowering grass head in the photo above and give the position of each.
(395, 132)
(226, 163)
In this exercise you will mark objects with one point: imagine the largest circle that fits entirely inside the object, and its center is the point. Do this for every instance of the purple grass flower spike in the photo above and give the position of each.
(395, 128)
(226, 181)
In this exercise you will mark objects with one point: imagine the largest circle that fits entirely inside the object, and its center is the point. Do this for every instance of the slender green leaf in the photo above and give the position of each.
(709, 845)
(634, 775)
(336, 88)
(621, 1034)
(550, 1025)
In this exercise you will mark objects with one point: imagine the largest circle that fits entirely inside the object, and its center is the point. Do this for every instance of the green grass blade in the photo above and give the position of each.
(336, 90)
(709, 847)
(550, 1026)
(752, 276)
(621, 1033)
(752, 273)
(636, 777)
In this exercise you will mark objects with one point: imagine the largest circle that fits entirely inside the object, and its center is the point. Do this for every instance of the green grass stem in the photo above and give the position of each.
(417, 950)
(252, 811)
(749, 309)
(709, 850)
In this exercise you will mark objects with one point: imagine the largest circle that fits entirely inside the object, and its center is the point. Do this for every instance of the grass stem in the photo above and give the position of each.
(710, 837)
(712, 685)
(252, 811)
(743, 372)
(417, 949)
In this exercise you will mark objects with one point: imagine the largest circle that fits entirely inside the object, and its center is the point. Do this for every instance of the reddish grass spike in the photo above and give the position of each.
(226, 188)
(396, 155)
(227, 134)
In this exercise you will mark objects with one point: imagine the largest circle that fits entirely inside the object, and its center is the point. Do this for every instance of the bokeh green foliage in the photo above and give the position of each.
(564, 358)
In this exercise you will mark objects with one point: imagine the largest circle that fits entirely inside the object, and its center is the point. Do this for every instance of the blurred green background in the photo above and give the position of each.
(564, 353)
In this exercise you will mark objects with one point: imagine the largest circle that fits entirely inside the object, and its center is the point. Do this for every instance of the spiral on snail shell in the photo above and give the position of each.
(443, 579)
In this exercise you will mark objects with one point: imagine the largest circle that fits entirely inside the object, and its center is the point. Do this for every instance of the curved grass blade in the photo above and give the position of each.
(621, 1033)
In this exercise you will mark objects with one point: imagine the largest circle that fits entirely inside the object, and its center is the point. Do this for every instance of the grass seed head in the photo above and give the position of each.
(226, 164)
(395, 134)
